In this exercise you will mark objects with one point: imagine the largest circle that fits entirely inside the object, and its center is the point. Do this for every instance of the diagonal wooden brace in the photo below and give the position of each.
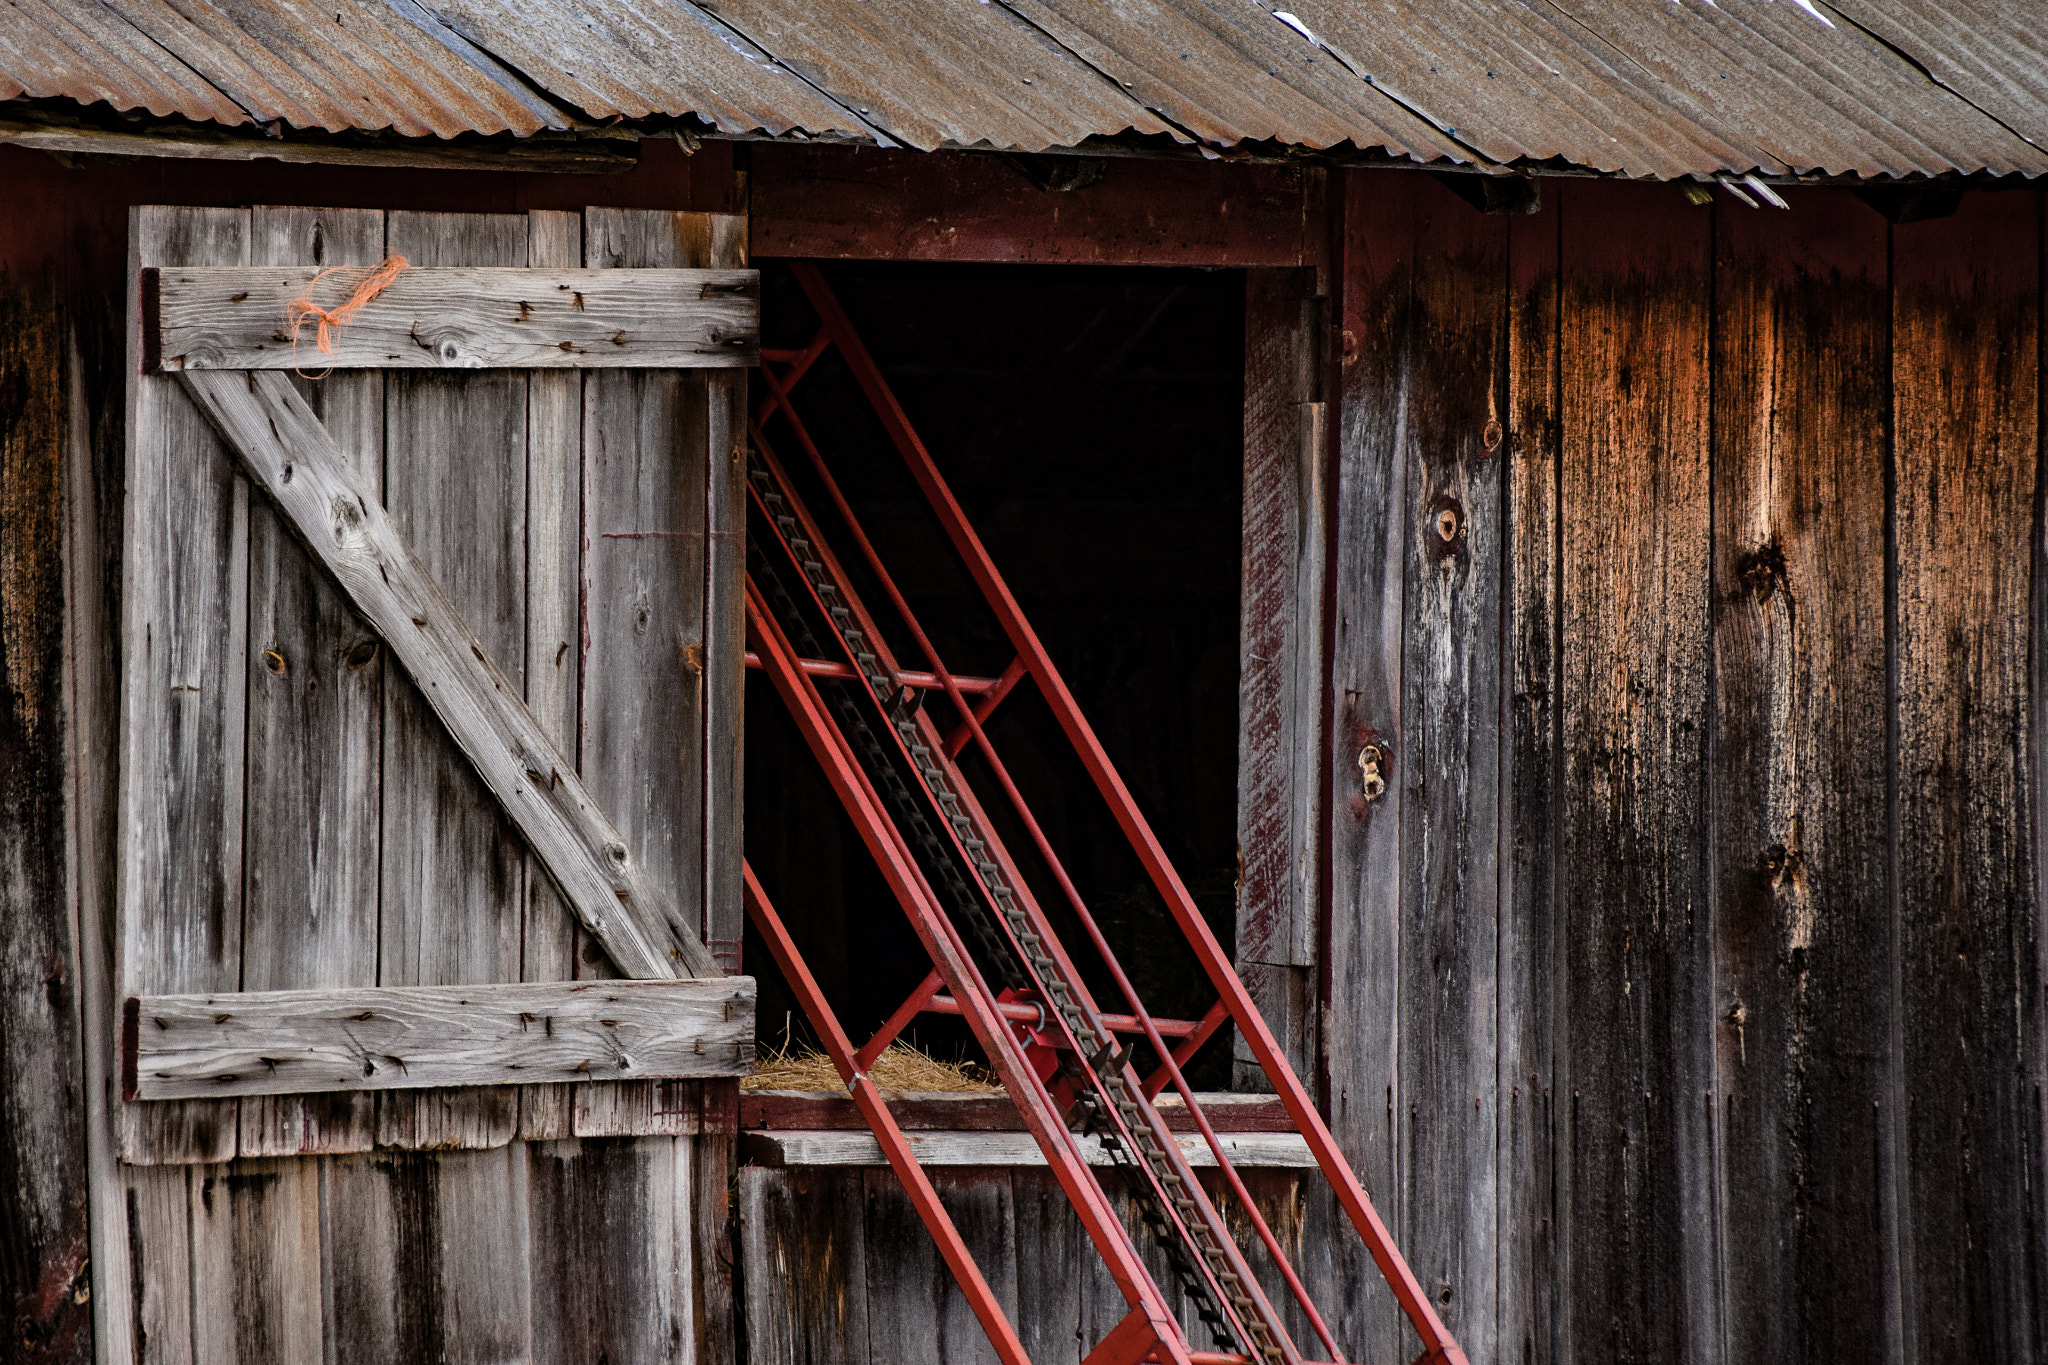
(289, 455)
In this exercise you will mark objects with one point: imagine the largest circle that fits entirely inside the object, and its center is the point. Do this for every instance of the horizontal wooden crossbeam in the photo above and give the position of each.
(801, 1147)
(403, 1037)
(291, 457)
(441, 317)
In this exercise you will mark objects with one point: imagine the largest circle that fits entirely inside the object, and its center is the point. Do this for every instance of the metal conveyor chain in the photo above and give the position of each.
(1137, 1114)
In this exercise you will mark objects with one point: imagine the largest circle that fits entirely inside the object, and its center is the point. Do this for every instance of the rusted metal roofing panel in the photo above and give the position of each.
(1230, 73)
(936, 75)
(639, 58)
(50, 49)
(1993, 53)
(1639, 87)
(1799, 91)
(1516, 82)
(334, 65)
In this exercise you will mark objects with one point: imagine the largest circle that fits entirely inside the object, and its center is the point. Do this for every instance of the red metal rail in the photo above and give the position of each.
(1051, 1044)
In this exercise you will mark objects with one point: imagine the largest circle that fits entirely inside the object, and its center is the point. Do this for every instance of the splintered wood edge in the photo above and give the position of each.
(358, 1038)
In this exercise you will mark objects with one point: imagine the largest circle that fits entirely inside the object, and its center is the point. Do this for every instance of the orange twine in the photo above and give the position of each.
(369, 287)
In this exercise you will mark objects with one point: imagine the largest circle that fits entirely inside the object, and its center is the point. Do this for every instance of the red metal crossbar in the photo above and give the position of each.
(1050, 1044)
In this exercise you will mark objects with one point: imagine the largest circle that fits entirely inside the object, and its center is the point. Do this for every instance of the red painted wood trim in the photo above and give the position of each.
(827, 203)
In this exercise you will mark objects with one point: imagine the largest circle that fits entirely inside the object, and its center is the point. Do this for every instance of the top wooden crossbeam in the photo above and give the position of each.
(431, 317)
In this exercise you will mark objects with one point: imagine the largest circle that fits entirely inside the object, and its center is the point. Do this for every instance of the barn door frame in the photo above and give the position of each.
(207, 234)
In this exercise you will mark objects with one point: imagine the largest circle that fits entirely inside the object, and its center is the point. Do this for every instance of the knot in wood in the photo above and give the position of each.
(1370, 779)
(1447, 524)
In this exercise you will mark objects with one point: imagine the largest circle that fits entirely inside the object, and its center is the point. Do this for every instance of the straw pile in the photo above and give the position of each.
(903, 1067)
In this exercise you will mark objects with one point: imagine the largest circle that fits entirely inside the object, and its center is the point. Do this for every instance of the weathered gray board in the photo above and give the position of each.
(260, 690)
(824, 1147)
(451, 317)
(407, 1037)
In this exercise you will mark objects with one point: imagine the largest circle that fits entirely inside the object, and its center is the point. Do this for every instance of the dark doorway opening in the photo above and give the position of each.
(1090, 421)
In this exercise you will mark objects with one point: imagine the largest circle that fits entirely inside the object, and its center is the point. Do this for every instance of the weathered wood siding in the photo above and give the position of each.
(44, 1281)
(1680, 998)
(1856, 640)
(1685, 991)
(325, 831)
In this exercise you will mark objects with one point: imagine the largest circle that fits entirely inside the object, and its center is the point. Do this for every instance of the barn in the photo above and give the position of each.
(1390, 652)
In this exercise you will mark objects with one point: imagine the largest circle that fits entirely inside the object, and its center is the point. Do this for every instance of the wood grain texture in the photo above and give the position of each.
(157, 1265)
(818, 1147)
(1638, 1195)
(96, 372)
(1965, 377)
(315, 726)
(184, 619)
(528, 316)
(453, 881)
(43, 1162)
(646, 452)
(803, 1252)
(916, 1313)
(280, 439)
(554, 607)
(714, 1161)
(1803, 959)
(403, 1037)
(1454, 545)
(255, 1229)
(1280, 665)
(612, 1251)
(1361, 1000)
(1531, 1275)
(427, 1256)
(725, 631)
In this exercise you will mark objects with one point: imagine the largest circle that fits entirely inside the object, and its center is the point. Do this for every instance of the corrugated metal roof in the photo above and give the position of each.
(1639, 87)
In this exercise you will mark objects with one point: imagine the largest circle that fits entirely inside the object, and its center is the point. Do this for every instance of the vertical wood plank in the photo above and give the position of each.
(43, 1201)
(714, 1155)
(1803, 958)
(1452, 534)
(1531, 1273)
(554, 585)
(611, 1251)
(255, 1259)
(96, 380)
(1637, 969)
(360, 1269)
(157, 1263)
(1055, 1264)
(315, 726)
(183, 689)
(1965, 376)
(453, 881)
(916, 1313)
(1362, 1003)
(453, 872)
(427, 1257)
(646, 451)
(725, 630)
(1280, 665)
(803, 1250)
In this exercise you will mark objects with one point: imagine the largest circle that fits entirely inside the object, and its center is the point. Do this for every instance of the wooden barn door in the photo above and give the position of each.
(297, 815)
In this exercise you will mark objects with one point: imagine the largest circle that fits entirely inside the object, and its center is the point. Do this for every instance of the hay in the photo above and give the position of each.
(902, 1068)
